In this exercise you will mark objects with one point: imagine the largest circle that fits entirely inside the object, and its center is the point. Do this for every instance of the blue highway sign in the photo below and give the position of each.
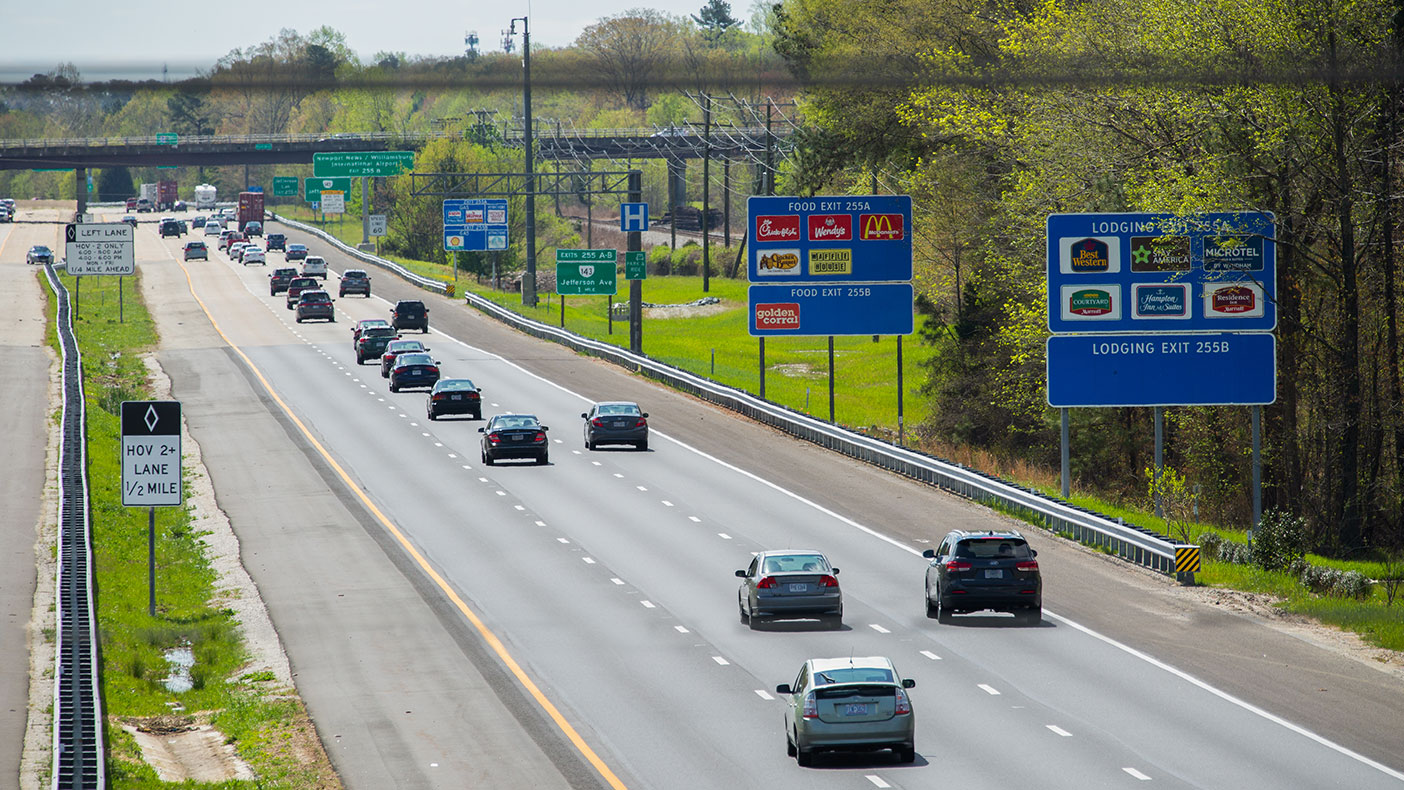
(633, 217)
(1162, 272)
(475, 224)
(858, 238)
(1190, 369)
(831, 309)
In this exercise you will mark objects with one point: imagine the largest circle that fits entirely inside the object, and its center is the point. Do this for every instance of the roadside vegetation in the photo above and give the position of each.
(257, 717)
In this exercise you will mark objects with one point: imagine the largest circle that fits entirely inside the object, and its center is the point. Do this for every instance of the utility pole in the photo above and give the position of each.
(529, 281)
(769, 151)
(706, 192)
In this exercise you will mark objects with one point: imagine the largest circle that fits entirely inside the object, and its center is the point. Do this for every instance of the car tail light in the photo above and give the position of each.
(597, 422)
(439, 396)
(494, 438)
(431, 369)
(641, 423)
(828, 581)
(766, 583)
(539, 437)
(904, 705)
(1027, 565)
(811, 708)
(957, 565)
(474, 396)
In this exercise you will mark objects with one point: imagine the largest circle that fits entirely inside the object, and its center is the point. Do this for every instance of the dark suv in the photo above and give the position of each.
(275, 241)
(974, 571)
(355, 281)
(298, 285)
(279, 280)
(410, 314)
(315, 303)
(372, 342)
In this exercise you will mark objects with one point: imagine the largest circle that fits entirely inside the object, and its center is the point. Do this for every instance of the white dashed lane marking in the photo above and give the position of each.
(720, 660)
(931, 655)
(647, 604)
(876, 780)
(991, 690)
(617, 581)
(1137, 774)
(878, 628)
(723, 536)
(588, 560)
(1058, 730)
(763, 694)
(680, 629)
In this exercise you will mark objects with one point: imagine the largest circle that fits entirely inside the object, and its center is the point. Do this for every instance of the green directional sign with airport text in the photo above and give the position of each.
(312, 188)
(362, 163)
(587, 272)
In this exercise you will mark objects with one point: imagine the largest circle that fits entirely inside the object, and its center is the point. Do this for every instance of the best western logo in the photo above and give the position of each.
(1090, 255)
(831, 227)
(1090, 302)
(881, 227)
(778, 315)
(780, 263)
(784, 227)
(831, 261)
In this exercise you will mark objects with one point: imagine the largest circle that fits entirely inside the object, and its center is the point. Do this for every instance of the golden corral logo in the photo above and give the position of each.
(1090, 255)
(780, 263)
(830, 262)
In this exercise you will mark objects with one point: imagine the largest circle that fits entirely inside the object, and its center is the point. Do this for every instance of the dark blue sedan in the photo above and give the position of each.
(413, 370)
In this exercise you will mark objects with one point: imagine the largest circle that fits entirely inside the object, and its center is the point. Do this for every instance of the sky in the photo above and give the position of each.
(135, 40)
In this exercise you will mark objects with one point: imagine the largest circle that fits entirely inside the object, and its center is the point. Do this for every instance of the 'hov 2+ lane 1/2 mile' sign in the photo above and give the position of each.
(100, 248)
(151, 453)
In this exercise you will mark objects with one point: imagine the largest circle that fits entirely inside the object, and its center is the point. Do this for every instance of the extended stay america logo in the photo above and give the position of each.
(784, 227)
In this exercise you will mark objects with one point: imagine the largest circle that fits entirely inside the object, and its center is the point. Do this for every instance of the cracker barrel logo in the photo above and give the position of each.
(778, 315)
(831, 227)
(1090, 255)
(881, 227)
(785, 227)
(1090, 302)
(1233, 300)
(780, 262)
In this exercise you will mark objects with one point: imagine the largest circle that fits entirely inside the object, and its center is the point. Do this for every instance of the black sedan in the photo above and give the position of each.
(396, 347)
(616, 422)
(295, 252)
(454, 396)
(413, 370)
(39, 254)
(514, 436)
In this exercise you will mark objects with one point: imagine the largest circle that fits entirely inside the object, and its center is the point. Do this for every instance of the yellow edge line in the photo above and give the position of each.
(488, 636)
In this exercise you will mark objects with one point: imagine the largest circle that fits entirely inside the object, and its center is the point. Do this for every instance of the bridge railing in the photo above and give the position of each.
(1131, 543)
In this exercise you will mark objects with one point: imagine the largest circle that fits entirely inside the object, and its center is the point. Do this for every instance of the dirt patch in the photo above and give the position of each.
(686, 310)
(797, 370)
(182, 748)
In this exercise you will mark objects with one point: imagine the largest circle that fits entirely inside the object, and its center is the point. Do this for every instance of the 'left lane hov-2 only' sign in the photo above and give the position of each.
(100, 248)
(151, 453)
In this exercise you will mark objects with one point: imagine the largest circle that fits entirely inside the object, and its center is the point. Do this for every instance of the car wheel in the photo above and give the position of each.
(272, 292)
(589, 445)
(299, 319)
(804, 757)
(789, 746)
(1032, 616)
(394, 388)
(431, 415)
(930, 606)
(477, 415)
(643, 445)
(487, 459)
(906, 754)
(943, 613)
(544, 459)
(834, 621)
(332, 319)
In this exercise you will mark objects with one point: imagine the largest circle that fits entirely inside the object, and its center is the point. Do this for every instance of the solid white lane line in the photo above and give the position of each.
(878, 628)
(1137, 774)
(647, 604)
(876, 780)
(991, 690)
(680, 629)
(720, 660)
(763, 694)
(617, 581)
(1058, 730)
(931, 655)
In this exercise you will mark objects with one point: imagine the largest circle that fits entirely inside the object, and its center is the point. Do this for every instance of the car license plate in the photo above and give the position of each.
(799, 588)
(518, 437)
(621, 424)
(455, 396)
(855, 709)
(995, 574)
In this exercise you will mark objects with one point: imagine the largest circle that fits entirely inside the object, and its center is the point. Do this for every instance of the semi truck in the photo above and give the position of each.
(205, 197)
(146, 199)
(250, 209)
(166, 195)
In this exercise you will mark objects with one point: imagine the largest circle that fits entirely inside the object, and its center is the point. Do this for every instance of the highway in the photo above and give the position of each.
(575, 625)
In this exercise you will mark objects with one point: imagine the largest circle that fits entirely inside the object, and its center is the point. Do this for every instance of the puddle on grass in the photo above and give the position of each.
(180, 659)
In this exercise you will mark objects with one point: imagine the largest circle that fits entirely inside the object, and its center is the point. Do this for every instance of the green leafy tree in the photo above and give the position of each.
(114, 183)
(715, 20)
(189, 114)
(630, 50)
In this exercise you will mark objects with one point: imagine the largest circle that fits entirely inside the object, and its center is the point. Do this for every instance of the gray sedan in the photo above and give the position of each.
(848, 704)
(616, 422)
(790, 584)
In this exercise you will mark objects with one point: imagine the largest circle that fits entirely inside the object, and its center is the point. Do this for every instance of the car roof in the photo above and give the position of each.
(409, 302)
(1006, 534)
(865, 662)
(788, 552)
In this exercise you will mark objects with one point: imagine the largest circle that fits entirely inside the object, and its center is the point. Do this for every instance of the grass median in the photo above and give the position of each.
(257, 718)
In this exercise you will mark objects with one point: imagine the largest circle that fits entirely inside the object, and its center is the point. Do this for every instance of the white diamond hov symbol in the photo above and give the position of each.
(150, 418)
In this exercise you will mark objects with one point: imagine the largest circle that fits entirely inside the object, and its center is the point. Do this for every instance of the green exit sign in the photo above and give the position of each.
(586, 256)
(284, 186)
(586, 273)
(362, 163)
(263, 146)
(636, 266)
(169, 138)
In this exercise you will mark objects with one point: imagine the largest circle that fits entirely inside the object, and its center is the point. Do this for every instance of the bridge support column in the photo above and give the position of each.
(80, 188)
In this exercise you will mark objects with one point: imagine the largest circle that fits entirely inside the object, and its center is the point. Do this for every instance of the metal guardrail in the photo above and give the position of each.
(79, 762)
(426, 283)
(1131, 543)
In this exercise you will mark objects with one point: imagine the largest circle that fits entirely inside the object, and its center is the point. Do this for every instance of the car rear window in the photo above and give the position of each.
(378, 331)
(619, 408)
(315, 296)
(409, 307)
(456, 384)
(993, 548)
(195, 245)
(795, 563)
(353, 274)
(414, 359)
(854, 675)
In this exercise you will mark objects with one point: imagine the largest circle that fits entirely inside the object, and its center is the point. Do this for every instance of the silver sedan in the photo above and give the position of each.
(616, 422)
(848, 704)
(790, 584)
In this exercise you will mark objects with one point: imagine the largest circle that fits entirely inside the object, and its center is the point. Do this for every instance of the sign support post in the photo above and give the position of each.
(762, 366)
(900, 432)
(1158, 414)
(151, 469)
(1066, 462)
(634, 243)
(831, 378)
(1257, 470)
(151, 561)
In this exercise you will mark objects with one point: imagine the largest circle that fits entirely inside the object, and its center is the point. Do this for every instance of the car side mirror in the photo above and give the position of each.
(480, 430)
(908, 683)
(741, 574)
(930, 554)
(784, 688)
(584, 416)
(835, 570)
(1033, 553)
(645, 414)
(544, 429)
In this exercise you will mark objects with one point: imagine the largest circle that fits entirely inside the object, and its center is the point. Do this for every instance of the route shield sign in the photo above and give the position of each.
(1183, 369)
(831, 309)
(587, 272)
(362, 163)
(312, 188)
(859, 238)
(636, 265)
(100, 248)
(284, 186)
(475, 224)
(151, 454)
(1131, 273)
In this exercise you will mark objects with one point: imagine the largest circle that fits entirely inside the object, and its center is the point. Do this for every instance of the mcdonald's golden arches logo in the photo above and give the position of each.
(881, 227)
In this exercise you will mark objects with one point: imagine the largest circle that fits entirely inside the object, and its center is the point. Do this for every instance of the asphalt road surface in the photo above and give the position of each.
(576, 624)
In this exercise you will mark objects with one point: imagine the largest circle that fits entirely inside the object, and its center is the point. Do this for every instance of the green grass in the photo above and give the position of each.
(133, 642)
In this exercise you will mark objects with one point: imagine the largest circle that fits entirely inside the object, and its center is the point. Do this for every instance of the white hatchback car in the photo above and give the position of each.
(213, 228)
(313, 266)
(254, 254)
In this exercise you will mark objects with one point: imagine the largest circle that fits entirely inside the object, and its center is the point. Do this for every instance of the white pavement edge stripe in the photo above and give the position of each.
(910, 550)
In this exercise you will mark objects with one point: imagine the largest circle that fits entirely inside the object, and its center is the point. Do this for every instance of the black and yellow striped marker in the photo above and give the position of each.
(1187, 559)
